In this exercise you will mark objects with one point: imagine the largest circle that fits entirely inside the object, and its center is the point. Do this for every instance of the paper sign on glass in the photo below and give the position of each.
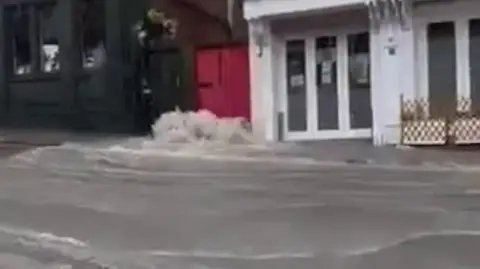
(327, 72)
(297, 80)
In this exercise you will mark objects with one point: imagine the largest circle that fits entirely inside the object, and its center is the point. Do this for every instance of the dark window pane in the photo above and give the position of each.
(326, 76)
(32, 31)
(92, 25)
(441, 68)
(359, 80)
(475, 64)
(18, 18)
(296, 86)
(49, 22)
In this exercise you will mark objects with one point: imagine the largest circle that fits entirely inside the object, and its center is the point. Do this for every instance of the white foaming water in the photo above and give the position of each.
(181, 135)
(199, 127)
(199, 134)
(42, 236)
(231, 255)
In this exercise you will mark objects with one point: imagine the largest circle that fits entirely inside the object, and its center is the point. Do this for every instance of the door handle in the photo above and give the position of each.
(205, 85)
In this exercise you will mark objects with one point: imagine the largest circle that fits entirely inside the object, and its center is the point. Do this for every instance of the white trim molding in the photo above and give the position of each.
(253, 9)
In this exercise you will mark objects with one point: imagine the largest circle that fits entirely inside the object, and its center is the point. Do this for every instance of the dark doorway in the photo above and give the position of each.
(168, 81)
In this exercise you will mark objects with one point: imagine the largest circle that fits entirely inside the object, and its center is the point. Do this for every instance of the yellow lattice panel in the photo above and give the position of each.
(414, 109)
(424, 132)
(466, 130)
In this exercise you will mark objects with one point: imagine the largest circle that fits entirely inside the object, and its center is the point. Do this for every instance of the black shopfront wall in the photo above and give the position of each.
(72, 91)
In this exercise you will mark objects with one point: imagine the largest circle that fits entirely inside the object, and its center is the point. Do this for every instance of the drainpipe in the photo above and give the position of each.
(230, 12)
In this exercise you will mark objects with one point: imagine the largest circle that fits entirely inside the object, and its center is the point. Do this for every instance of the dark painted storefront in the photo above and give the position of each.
(67, 64)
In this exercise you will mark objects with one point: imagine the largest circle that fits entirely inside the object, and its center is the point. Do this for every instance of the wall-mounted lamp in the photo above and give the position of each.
(259, 36)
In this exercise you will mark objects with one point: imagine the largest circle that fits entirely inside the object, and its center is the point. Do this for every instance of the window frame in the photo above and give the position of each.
(460, 13)
(33, 8)
(344, 130)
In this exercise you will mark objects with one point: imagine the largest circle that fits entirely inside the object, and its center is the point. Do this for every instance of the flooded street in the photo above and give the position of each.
(79, 208)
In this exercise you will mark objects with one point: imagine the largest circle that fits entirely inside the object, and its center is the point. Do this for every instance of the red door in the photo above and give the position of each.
(209, 80)
(237, 82)
(223, 81)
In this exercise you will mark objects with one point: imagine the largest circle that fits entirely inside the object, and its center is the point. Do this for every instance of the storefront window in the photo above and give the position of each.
(33, 35)
(93, 33)
(441, 68)
(474, 30)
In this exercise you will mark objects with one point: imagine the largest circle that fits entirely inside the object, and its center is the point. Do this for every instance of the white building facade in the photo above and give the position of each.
(338, 69)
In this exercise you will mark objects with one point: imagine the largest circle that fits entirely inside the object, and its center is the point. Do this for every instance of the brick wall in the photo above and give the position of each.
(197, 28)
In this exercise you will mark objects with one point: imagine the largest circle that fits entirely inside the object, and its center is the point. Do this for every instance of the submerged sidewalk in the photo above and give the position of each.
(362, 152)
(332, 152)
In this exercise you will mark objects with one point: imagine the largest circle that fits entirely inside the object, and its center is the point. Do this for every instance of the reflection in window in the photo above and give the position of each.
(93, 33)
(48, 23)
(34, 39)
(441, 68)
(326, 75)
(296, 86)
(359, 80)
(20, 29)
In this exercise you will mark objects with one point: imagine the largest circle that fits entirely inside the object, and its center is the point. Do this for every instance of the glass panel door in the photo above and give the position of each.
(296, 86)
(360, 111)
(327, 91)
(326, 83)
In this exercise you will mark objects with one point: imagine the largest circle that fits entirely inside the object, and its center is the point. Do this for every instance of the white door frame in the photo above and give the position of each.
(312, 132)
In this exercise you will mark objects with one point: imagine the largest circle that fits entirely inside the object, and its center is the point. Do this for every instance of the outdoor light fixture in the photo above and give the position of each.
(258, 32)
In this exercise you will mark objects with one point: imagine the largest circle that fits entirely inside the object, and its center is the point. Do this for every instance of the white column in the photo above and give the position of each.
(376, 86)
(406, 49)
(393, 74)
(408, 82)
(262, 97)
(387, 76)
(462, 62)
